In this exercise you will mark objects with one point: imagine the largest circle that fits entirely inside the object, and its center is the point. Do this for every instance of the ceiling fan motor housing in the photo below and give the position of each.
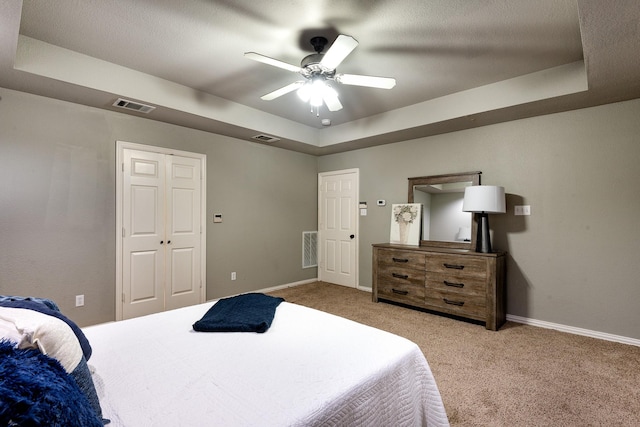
(310, 66)
(312, 59)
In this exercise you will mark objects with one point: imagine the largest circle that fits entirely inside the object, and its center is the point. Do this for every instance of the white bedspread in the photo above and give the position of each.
(310, 368)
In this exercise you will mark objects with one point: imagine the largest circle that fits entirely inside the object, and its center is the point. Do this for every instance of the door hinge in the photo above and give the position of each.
(123, 298)
(124, 233)
(122, 167)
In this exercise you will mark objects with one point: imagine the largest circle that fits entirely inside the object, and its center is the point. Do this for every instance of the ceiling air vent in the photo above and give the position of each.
(265, 138)
(133, 106)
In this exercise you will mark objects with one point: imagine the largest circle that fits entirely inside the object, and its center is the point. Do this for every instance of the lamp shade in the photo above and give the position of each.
(484, 198)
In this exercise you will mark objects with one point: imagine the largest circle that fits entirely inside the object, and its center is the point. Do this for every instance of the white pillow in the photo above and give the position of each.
(49, 334)
(9, 332)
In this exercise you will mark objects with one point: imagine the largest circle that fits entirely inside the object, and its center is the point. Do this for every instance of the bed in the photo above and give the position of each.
(309, 368)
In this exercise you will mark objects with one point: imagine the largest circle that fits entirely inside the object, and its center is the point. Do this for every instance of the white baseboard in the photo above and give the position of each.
(288, 285)
(512, 318)
(574, 330)
(305, 282)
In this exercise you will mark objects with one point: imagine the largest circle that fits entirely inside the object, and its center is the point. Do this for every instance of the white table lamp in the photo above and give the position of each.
(484, 199)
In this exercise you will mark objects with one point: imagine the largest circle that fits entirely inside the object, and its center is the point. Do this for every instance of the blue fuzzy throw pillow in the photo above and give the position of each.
(36, 391)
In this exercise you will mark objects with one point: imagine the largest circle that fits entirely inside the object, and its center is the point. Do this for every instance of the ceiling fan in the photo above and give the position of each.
(320, 68)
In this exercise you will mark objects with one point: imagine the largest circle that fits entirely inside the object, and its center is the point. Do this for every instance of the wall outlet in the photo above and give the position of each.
(233, 275)
(522, 210)
(79, 300)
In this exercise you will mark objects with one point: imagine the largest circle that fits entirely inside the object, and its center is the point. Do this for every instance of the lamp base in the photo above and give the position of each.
(483, 239)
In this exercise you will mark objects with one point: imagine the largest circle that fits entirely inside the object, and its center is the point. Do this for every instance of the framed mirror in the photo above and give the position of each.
(444, 224)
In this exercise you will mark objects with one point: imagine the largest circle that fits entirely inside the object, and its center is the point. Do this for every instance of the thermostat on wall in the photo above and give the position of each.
(382, 202)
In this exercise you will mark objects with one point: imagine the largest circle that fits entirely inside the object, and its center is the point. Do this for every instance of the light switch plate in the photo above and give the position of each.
(522, 210)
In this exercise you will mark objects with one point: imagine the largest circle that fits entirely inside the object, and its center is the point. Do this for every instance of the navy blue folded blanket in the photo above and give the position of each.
(243, 313)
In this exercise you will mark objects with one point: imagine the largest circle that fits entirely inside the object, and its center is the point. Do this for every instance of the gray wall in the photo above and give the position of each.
(57, 204)
(576, 260)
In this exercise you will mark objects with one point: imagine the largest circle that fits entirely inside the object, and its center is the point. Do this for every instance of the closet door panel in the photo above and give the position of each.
(143, 233)
(182, 274)
(183, 231)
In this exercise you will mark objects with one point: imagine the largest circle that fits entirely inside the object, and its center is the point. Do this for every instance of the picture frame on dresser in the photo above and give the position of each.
(405, 223)
(443, 276)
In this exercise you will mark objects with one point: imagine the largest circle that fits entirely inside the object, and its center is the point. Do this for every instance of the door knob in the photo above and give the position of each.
(161, 241)
(352, 236)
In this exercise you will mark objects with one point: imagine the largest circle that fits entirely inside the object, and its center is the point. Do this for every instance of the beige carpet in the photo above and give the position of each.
(519, 376)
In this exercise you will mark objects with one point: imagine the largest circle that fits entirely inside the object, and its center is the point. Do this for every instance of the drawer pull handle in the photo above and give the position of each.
(454, 285)
(400, 276)
(454, 266)
(458, 303)
(400, 259)
(398, 291)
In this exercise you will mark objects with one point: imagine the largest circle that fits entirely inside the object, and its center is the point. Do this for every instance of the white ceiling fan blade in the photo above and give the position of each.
(282, 91)
(341, 47)
(270, 61)
(369, 81)
(332, 101)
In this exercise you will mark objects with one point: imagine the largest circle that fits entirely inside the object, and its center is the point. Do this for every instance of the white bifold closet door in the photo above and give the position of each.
(161, 238)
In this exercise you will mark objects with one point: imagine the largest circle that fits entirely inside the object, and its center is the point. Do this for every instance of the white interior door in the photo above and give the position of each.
(338, 227)
(143, 278)
(161, 247)
(183, 232)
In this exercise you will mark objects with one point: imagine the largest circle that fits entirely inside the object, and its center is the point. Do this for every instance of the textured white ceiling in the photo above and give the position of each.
(433, 48)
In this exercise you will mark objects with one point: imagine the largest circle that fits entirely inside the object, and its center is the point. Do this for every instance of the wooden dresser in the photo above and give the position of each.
(453, 281)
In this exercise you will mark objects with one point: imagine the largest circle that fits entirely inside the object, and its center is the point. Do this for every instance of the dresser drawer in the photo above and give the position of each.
(396, 274)
(471, 306)
(457, 266)
(467, 286)
(398, 290)
(401, 259)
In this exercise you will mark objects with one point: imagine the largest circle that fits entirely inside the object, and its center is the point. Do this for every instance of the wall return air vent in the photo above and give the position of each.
(133, 106)
(309, 249)
(265, 138)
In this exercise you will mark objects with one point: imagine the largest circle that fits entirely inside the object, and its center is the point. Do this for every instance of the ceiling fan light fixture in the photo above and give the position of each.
(304, 93)
(315, 91)
(315, 101)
